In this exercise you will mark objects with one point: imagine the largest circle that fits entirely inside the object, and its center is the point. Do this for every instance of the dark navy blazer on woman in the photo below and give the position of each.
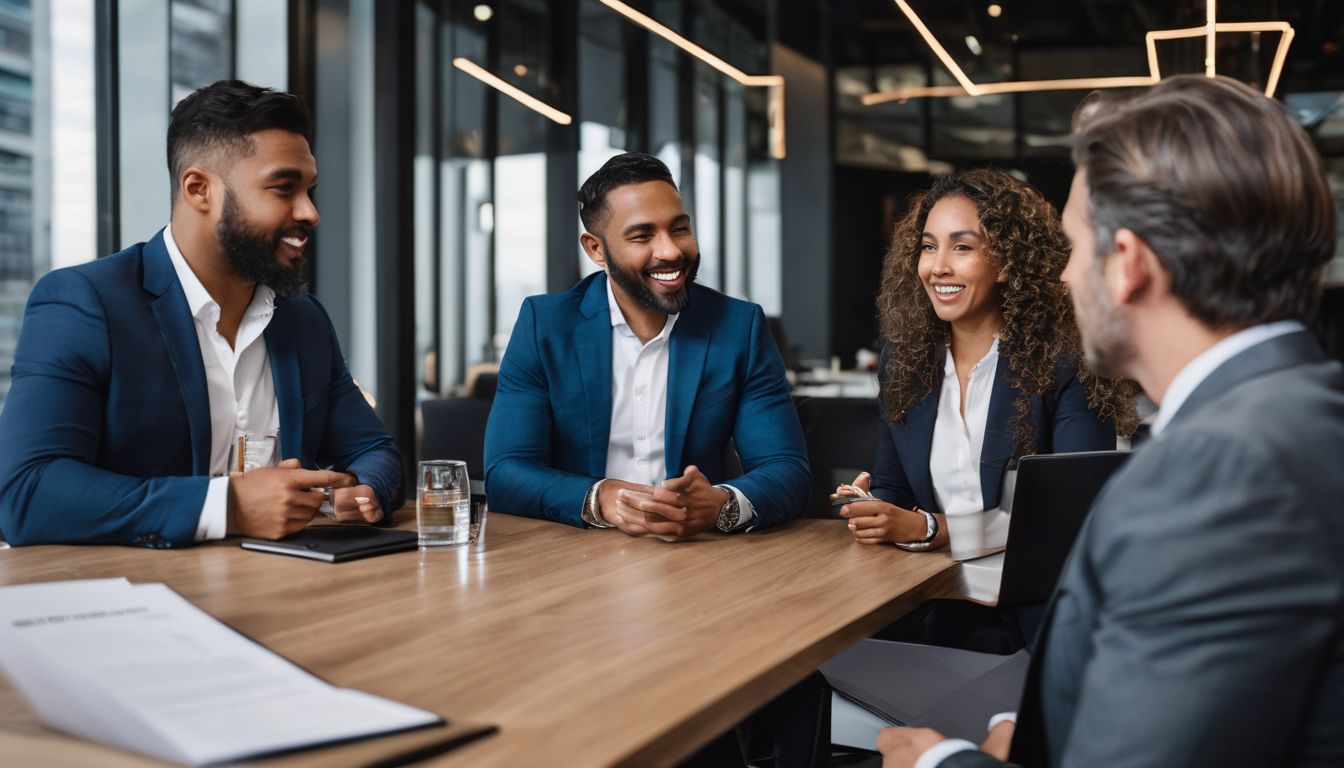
(1060, 419)
(105, 435)
(546, 442)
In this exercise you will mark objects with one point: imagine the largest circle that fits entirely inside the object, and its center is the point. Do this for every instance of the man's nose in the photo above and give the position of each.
(665, 248)
(306, 211)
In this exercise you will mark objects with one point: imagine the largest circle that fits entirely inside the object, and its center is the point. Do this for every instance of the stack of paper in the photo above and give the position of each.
(139, 667)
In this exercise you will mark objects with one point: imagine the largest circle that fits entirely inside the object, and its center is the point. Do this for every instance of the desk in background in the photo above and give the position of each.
(586, 648)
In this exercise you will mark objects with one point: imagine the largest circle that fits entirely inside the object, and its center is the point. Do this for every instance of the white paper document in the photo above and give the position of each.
(140, 667)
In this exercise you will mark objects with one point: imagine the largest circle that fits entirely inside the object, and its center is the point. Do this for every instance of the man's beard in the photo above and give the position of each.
(1106, 347)
(252, 253)
(632, 282)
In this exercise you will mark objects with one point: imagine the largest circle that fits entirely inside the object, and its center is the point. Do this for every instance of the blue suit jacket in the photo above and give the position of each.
(105, 435)
(546, 442)
(1060, 418)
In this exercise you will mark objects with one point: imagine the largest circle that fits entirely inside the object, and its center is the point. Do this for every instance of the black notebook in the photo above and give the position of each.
(337, 543)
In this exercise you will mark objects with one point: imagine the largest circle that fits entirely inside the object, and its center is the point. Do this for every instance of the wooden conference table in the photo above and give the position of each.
(586, 648)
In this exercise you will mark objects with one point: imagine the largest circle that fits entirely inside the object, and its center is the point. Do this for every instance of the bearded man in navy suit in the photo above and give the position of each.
(136, 374)
(618, 398)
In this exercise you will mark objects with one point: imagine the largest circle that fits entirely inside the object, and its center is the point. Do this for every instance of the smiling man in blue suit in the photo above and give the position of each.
(617, 398)
(135, 374)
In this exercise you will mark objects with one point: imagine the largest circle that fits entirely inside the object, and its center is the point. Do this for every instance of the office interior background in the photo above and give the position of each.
(445, 202)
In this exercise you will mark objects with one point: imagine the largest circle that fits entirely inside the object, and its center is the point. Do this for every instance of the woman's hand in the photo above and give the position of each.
(877, 522)
(860, 487)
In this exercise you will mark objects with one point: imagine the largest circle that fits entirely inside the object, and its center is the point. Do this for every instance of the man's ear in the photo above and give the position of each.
(197, 189)
(1131, 268)
(593, 247)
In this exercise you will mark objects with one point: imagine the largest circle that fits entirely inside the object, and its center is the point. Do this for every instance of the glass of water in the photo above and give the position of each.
(254, 450)
(443, 504)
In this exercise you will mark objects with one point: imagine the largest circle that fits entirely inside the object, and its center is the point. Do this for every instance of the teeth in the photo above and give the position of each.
(948, 289)
(665, 276)
(297, 242)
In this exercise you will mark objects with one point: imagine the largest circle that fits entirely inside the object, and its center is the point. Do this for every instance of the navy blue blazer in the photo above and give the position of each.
(105, 435)
(1061, 420)
(546, 441)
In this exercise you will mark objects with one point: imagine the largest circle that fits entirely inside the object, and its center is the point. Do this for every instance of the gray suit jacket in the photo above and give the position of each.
(1200, 618)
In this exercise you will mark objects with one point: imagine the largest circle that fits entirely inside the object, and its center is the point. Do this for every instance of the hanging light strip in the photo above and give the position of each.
(970, 88)
(775, 83)
(512, 91)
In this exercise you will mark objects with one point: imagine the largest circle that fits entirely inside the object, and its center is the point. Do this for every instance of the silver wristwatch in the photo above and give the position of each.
(729, 513)
(930, 533)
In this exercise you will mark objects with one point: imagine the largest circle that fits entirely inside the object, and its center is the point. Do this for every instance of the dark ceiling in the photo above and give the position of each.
(876, 32)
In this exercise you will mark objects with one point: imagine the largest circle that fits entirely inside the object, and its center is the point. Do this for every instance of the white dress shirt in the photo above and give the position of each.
(1182, 386)
(954, 456)
(238, 382)
(635, 444)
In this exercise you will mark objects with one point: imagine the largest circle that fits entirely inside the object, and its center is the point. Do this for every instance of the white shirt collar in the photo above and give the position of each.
(198, 299)
(619, 323)
(1196, 371)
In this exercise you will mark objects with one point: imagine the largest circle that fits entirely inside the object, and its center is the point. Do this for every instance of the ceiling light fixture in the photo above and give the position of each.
(974, 45)
(775, 83)
(969, 88)
(994, 10)
(512, 91)
(483, 12)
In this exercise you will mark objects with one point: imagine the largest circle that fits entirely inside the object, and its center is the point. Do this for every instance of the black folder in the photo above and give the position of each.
(337, 543)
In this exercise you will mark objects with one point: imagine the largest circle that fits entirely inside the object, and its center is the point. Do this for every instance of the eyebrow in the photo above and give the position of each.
(954, 235)
(647, 227)
(292, 174)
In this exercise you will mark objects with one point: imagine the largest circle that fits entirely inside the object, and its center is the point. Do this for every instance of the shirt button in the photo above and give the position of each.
(641, 438)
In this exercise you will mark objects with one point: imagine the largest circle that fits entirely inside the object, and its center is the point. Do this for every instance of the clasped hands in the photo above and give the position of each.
(273, 502)
(902, 747)
(678, 508)
(874, 521)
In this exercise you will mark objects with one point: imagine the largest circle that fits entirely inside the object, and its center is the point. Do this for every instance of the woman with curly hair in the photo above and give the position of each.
(982, 361)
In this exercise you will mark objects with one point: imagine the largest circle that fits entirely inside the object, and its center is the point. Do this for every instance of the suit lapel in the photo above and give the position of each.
(687, 349)
(997, 448)
(592, 344)
(283, 350)
(178, 329)
(1293, 348)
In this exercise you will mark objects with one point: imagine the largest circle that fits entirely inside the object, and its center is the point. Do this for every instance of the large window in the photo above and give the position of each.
(47, 206)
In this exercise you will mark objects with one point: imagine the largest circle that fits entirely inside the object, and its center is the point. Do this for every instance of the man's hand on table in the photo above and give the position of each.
(678, 509)
(999, 739)
(901, 747)
(273, 502)
(356, 504)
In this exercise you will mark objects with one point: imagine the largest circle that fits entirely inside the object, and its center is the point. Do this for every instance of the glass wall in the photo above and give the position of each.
(497, 205)
(47, 151)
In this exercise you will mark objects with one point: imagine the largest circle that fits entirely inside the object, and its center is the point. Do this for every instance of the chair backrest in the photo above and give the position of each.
(841, 436)
(454, 428)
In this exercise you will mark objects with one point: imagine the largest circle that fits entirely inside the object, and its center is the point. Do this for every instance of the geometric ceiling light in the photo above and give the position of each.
(969, 88)
(774, 83)
(1276, 69)
(512, 91)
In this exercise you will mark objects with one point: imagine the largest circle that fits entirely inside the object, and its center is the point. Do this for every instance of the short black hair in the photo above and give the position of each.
(221, 116)
(623, 169)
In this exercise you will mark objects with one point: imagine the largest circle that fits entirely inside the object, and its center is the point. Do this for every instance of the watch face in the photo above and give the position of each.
(729, 514)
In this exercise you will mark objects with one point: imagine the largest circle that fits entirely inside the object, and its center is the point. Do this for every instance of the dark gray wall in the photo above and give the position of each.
(805, 202)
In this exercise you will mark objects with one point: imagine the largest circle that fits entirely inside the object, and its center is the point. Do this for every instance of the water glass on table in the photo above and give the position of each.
(254, 450)
(443, 509)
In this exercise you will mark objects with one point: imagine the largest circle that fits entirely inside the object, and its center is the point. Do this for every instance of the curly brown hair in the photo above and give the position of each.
(1024, 239)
